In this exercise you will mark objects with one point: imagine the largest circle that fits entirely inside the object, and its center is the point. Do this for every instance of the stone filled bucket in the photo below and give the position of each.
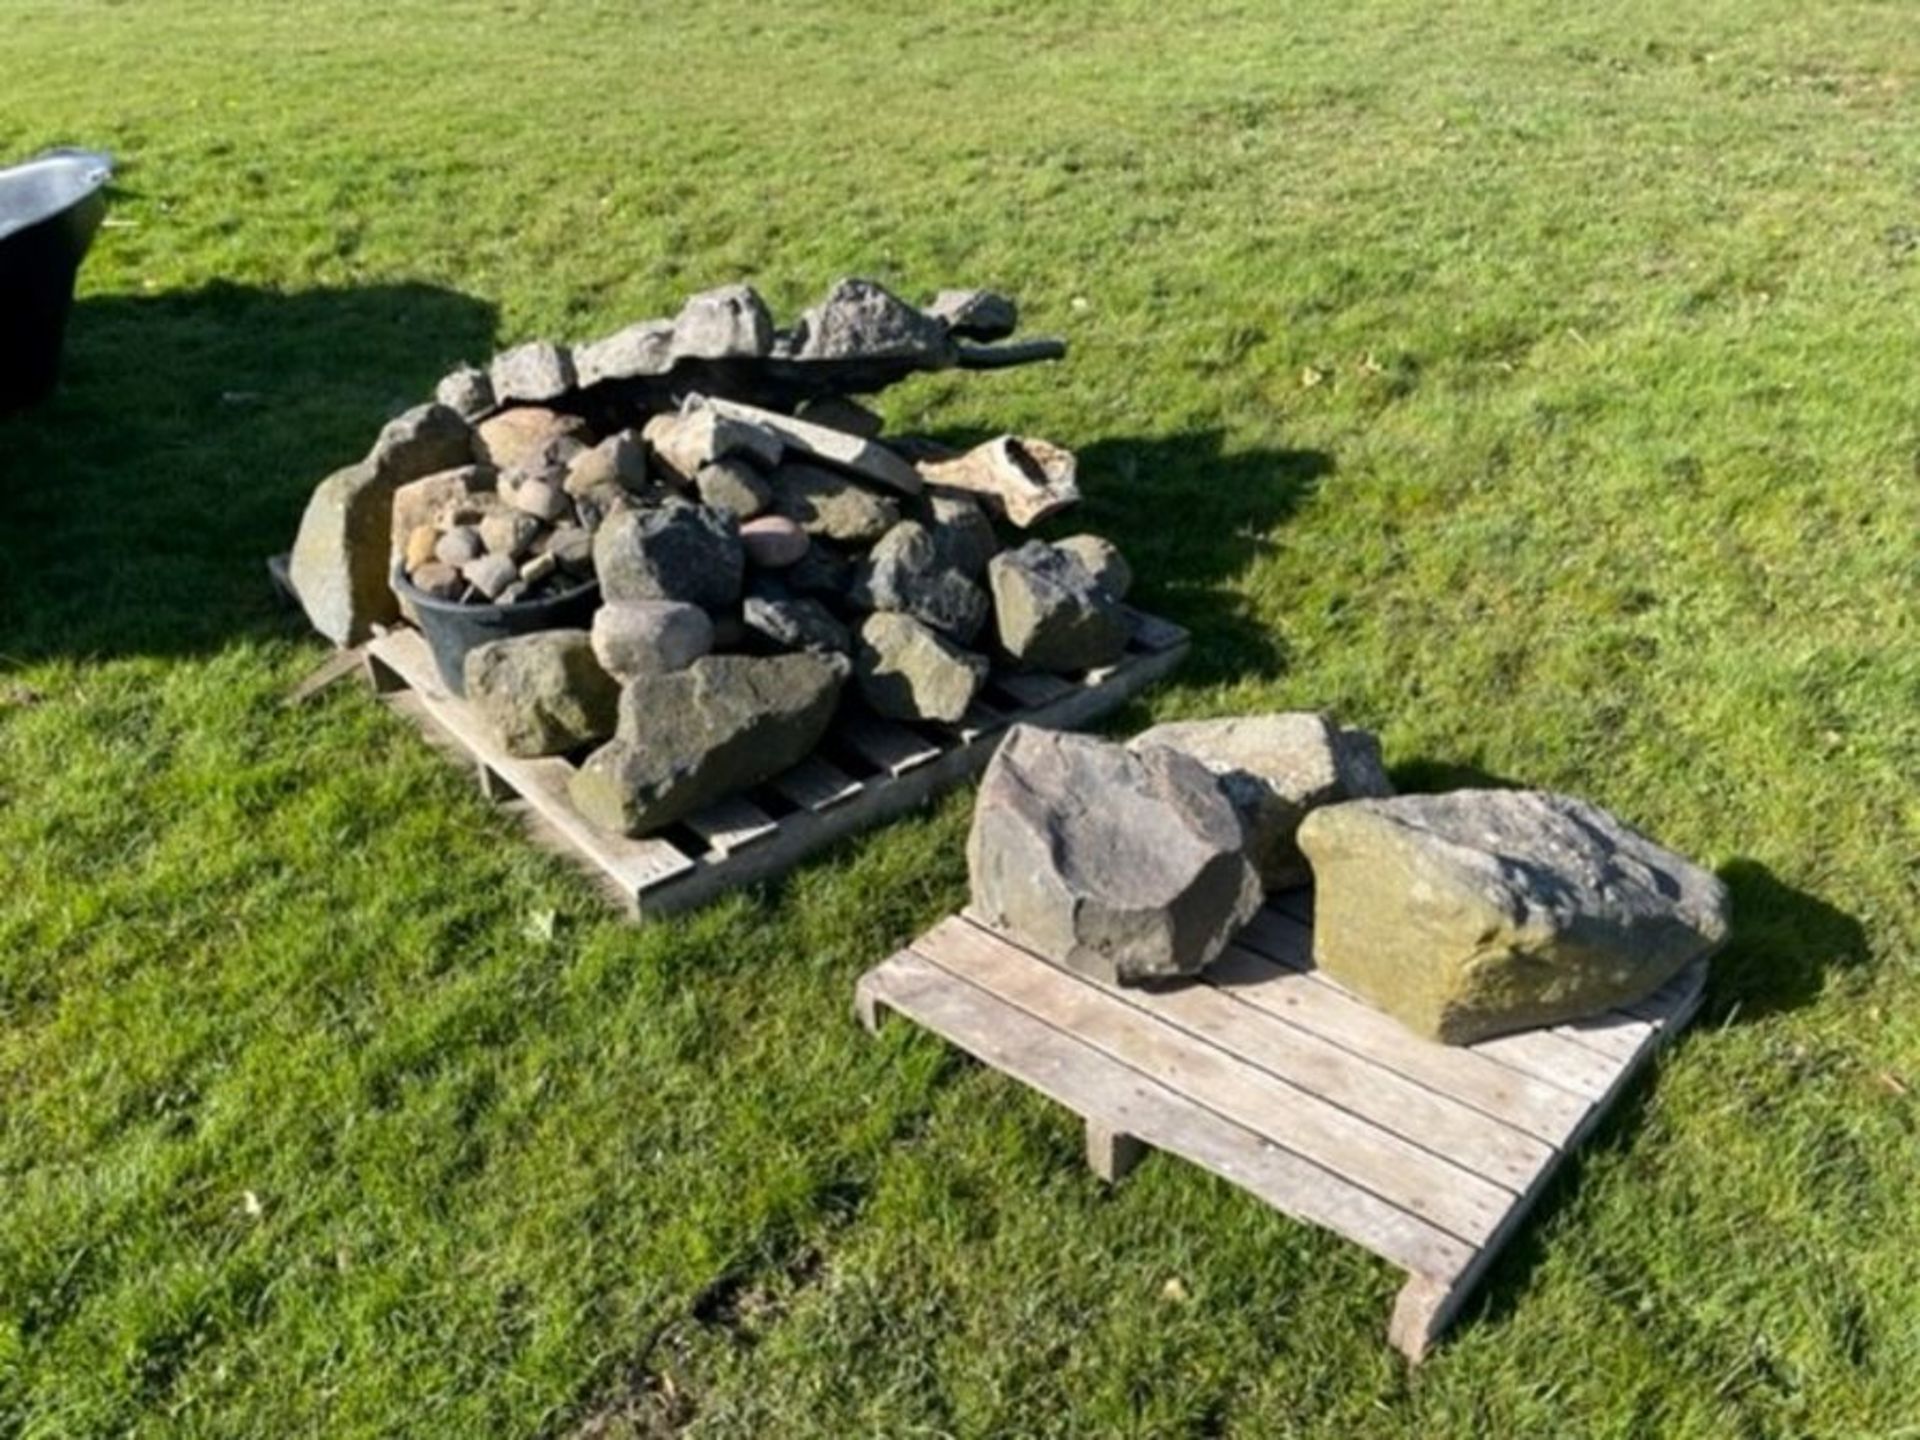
(452, 629)
(50, 208)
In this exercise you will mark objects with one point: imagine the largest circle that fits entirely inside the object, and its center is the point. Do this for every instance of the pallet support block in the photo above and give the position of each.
(1274, 1077)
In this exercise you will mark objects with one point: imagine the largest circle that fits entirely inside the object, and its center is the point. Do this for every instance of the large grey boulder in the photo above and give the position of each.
(862, 320)
(829, 506)
(340, 555)
(1481, 911)
(542, 694)
(908, 671)
(632, 638)
(1121, 865)
(1052, 613)
(425, 439)
(1275, 768)
(1102, 560)
(976, 314)
(732, 322)
(674, 551)
(645, 348)
(466, 391)
(531, 374)
(690, 737)
(906, 572)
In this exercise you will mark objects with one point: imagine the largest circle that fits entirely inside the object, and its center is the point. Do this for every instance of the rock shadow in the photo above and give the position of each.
(138, 505)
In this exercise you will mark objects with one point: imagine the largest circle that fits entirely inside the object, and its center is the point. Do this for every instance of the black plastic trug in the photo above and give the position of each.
(50, 208)
(452, 629)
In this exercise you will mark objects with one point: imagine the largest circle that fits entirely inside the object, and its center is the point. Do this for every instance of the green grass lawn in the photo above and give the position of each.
(1536, 384)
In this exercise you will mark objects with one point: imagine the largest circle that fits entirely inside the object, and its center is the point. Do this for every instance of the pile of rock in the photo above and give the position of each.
(734, 504)
(1463, 915)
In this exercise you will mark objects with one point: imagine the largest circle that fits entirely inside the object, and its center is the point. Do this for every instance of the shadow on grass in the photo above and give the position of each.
(137, 507)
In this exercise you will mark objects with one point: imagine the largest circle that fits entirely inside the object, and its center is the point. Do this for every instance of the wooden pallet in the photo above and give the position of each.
(1271, 1075)
(866, 771)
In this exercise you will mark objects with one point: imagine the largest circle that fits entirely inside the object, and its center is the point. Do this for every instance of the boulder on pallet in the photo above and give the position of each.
(340, 556)
(674, 551)
(688, 738)
(1052, 613)
(1275, 769)
(905, 572)
(909, 671)
(1472, 913)
(1125, 866)
(542, 694)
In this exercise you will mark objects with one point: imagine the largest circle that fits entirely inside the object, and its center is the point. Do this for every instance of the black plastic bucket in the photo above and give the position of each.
(452, 629)
(50, 208)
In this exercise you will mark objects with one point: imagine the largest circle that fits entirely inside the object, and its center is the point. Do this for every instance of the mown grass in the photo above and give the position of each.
(1533, 384)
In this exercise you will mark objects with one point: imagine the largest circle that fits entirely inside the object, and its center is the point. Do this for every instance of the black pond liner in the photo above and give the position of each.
(50, 208)
(452, 629)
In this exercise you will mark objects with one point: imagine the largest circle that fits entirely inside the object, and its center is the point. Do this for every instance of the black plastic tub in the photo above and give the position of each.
(50, 208)
(452, 629)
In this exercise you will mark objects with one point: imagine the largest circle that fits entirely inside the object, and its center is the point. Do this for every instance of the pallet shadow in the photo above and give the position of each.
(137, 506)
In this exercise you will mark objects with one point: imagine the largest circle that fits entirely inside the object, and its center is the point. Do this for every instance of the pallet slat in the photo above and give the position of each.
(732, 823)
(815, 785)
(893, 748)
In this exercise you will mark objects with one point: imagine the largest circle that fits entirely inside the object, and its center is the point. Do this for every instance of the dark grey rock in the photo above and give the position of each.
(674, 551)
(541, 694)
(906, 573)
(733, 485)
(837, 412)
(531, 374)
(1472, 913)
(1052, 615)
(1275, 769)
(426, 439)
(861, 319)
(1103, 561)
(962, 533)
(829, 506)
(649, 637)
(823, 572)
(1126, 867)
(690, 737)
(796, 623)
(908, 671)
(976, 314)
(729, 323)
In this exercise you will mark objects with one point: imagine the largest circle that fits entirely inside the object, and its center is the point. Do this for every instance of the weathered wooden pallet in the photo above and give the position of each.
(1271, 1075)
(866, 771)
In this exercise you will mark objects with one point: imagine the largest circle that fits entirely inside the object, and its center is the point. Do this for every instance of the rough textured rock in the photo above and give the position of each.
(860, 319)
(905, 572)
(823, 572)
(728, 323)
(796, 623)
(649, 637)
(773, 542)
(735, 486)
(465, 391)
(1017, 476)
(542, 694)
(531, 374)
(1051, 614)
(868, 459)
(459, 546)
(639, 350)
(1124, 866)
(837, 412)
(493, 574)
(976, 314)
(908, 671)
(674, 551)
(1481, 911)
(700, 435)
(509, 532)
(515, 439)
(342, 553)
(438, 579)
(962, 532)
(830, 506)
(690, 737)
(572, 547)
(544, 502)
(617, 464)
(1103, 561)
(1275, 768)
(425, 439)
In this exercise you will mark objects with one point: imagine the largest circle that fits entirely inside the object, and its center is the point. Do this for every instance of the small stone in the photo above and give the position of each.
(690, 737)
(542, 694)
(522, 438)
(426, 439)
(459, 546)
(904, 572)
(649, 637)
(976, 314)
(1020, 477)
(421, 543)
(863, 320)
(1275, 769)
(572, 547)
(341, 557)
(645, 349)
(829, 506)
(618, 462)
(700, 435)
(491, 574)
(675, 551)
(437, 579)
(1103, 561)
(1126, 867)
(908, 671)
(1052, 616)
(837, 412)
(1477, 912)
(510, 533)
(728, 323)
(466, 391)
(773, 542)
(962, 533)
(796, 623)
(735, 486)
(544, 502)
(538, 568)
(531, 374)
